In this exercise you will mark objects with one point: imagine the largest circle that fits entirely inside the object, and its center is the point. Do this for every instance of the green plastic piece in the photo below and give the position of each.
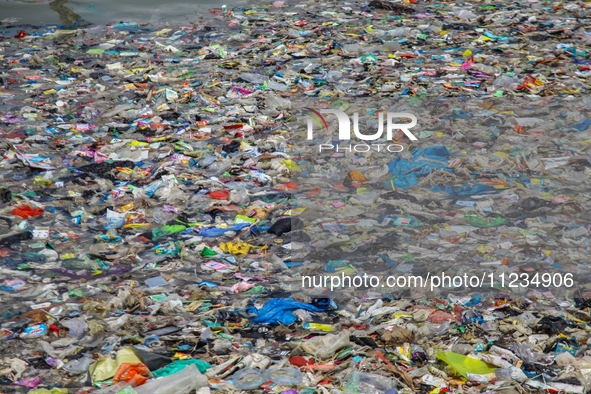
(465, 365)
(482, 222)
(179, 365)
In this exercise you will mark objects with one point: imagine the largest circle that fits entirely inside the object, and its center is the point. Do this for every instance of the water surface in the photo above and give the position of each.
(66, 12)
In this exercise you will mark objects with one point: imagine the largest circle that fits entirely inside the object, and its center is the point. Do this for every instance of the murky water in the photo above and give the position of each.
(67, 12)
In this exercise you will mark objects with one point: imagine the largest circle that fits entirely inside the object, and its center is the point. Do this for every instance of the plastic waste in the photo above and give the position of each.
(134, 373)
(248, 379)
(284, 376)
(177, 366)
(360, 382)
(182, 382)
(326, 346)
(77, 328)
(467, 367)
(78, 366)
(267, 185)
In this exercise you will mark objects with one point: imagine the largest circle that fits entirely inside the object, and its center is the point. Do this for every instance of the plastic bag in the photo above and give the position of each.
(283, 226)
(77, 328)
(253, 78)
(103, 369)
(179, 365)
(326, 346)
(26, 212)
(152, 360)
(182, 382)
(221, 346)
(368, 383)
(239, 197)
(218, 167)
(78, 366)
(132, 373)
(465, 365)
(278, 103)
(440, 316)
(219, 194)
(279, 310)
(465, 14)
(524, 353)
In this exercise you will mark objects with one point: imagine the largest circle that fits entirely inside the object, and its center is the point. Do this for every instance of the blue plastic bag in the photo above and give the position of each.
(216, 232)
(278, 310)
(423, 162)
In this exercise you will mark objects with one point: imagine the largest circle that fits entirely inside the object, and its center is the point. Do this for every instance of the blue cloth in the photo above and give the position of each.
(279, 310)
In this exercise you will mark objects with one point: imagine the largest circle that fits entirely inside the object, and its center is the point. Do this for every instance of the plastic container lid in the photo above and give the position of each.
(284, 376)
(248, 378)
